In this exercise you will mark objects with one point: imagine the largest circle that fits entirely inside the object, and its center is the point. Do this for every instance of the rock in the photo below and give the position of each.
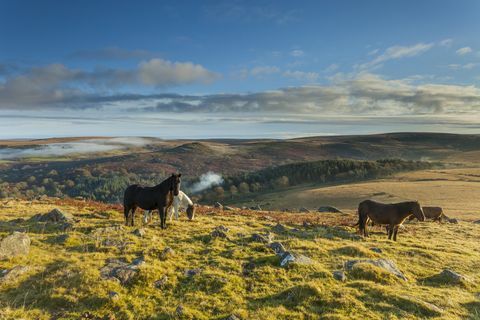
(377, 250)
(477, 222)
(12, 274)
(62, 238)
(256, 207)
(167, 252)
(263, 238)
(139, 232)
(120, 270)
(452, 277)
(56, 215)
(160, 284)
(218, 205)
(278, 248)
(339, 275)
(385, 264)
(227, 208)
(288, 258)
(18, 220)
(193, 272)
(453, 220)
(306, 224)
(180, 310)
(16, 244)
(232, 317)
(248, 268)
(279, 228)
(113, 295)
(329, 209)
(219, 232)
(304, 210)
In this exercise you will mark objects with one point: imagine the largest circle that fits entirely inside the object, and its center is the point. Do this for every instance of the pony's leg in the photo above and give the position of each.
(170, 213)
(132, 216)
(175, 208)
(126, 213)
(390, 231)
(395, 230)
(162, 212)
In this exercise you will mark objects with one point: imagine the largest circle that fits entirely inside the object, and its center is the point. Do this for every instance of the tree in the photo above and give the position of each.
(233, 190)
(282, 182)
(219, 192)
(243, 187)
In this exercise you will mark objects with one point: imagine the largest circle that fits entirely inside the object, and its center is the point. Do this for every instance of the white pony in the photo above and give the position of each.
(182, 201)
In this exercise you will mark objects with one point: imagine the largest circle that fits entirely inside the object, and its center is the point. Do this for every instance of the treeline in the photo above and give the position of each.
(323, 171)
(94, 183)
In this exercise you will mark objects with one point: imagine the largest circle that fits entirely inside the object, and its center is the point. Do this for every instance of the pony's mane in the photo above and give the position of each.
(163, 183)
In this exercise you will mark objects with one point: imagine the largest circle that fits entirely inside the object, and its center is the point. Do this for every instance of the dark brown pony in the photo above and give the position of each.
(393, 215)
(150, 198)
(433, 213)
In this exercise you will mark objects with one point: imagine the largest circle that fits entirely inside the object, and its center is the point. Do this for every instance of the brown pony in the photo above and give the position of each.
(393, 215)
(150, 198)
(433, 213)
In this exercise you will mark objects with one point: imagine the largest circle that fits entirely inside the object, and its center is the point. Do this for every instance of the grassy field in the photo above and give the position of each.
(457, 191)
(238, 276)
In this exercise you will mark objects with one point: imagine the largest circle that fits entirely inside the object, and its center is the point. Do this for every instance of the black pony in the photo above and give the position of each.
(150, 198)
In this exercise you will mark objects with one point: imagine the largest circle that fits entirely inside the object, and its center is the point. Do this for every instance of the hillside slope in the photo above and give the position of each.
(206, 276)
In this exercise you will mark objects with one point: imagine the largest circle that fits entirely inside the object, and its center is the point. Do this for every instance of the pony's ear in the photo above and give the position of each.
(173, 174)
(179, 175)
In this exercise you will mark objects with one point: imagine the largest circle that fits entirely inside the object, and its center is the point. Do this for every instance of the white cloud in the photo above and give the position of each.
(332, 67)
(397, 52)
(446, 42)
(54, 83)
(464, 51)
(467, 66)
(264, 70)
(297, 53)
(300, 75)
(159, 72)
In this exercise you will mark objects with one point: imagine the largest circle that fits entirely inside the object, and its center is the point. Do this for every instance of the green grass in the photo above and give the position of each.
(238, 276)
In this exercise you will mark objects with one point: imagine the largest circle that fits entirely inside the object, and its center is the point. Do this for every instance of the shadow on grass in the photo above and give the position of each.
(42, 291)
(390, 303)
(473, 308)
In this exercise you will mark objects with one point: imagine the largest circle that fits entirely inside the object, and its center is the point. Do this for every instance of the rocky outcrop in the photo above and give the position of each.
(16, 244)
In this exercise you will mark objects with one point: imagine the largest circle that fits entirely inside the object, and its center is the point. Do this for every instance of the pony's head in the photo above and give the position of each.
(175, 183)
(417, 211)
(191, 212)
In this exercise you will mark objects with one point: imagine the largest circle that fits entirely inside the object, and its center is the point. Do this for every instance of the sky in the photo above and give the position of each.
(238, 69)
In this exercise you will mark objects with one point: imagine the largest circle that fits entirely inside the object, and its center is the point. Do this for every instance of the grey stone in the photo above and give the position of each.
(140, 232)
(263, 238)
(167, 252)
(329, 209)
(56, 215)
(113, 295)
(121, 270)
(218, 205)
(180, 310)
(377, 250)
(453, 220)
(160, 284)
(16, 244)
(10, 275)
(339, 275)
(193, 272)
(385, 264)
(219, 232)
(227, 208)
(279, 228)
(278, 248)
(304, 210)
(232, 317)
(288, 258)
(452, 276)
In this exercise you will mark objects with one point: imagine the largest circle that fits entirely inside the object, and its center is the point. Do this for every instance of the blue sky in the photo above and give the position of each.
(216, 68)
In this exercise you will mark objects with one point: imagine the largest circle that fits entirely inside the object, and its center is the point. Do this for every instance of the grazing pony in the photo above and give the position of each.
(150, 198)
(434, 213)
(393, 215)
(182, 201)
